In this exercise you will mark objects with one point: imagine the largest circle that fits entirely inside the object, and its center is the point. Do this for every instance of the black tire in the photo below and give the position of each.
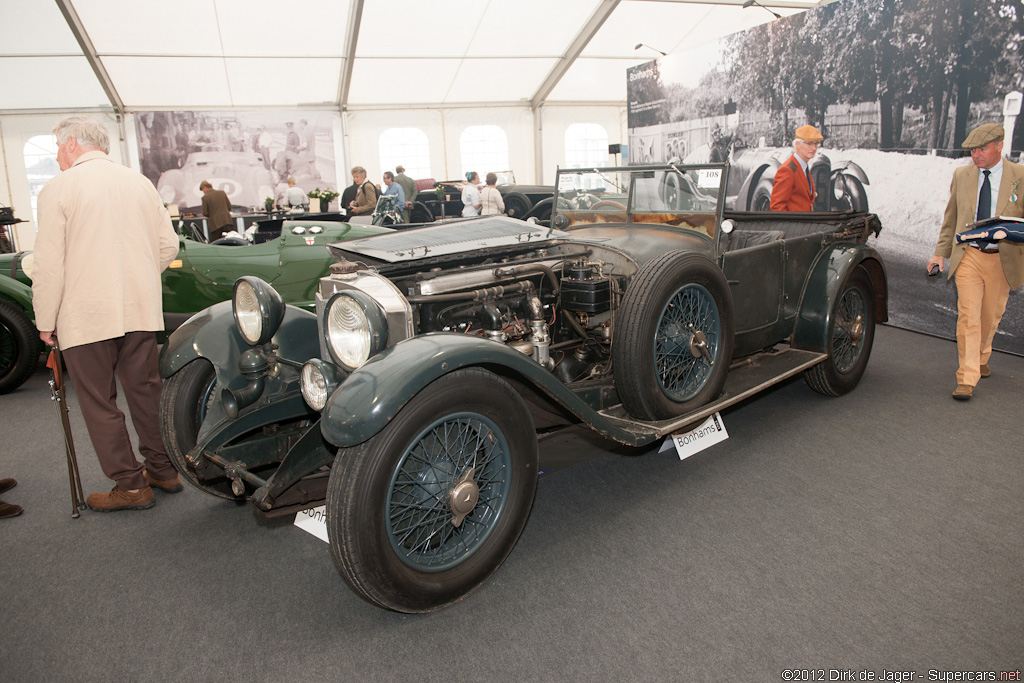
(542, 210)
(761, 198)
(847, 193)
(517, 204)
(19, 346)
(374, 488)
(851, 331)
(420, 213)
(185, 397)
(672, 194)
(674, 304)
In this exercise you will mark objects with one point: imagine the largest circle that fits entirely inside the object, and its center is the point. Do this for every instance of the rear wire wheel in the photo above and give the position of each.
(851, 331)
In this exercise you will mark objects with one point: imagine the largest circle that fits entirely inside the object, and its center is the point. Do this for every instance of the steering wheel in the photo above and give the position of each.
(607, 204)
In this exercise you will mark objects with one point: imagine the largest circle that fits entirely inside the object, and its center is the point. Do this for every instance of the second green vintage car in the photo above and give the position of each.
(201, 275)
(414, 398)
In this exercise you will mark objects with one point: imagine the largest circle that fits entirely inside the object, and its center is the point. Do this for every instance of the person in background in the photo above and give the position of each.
(366, 195)
(106, 312)
(217, 209)
(491, 203)
(409, 188)
(793, 189)
(8, 509)
(261, 143)
(984, 271)
(294, 196)
(393, 188)
(471, 195)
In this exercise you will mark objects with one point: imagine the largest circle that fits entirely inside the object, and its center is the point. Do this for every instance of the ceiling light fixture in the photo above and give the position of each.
(748, 3)
(640, 45)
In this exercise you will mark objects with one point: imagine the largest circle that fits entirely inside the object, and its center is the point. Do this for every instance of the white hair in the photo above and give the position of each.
(85, 129)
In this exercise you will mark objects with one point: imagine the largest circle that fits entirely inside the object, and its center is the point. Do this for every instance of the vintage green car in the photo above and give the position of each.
(413, 399)
(201, 275)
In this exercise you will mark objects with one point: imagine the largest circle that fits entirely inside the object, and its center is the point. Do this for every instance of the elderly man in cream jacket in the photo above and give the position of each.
(104, 238)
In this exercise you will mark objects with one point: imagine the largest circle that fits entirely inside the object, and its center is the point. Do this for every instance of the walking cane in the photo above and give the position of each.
(59, 396)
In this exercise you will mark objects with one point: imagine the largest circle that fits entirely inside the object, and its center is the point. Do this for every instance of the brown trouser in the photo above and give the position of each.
(133, 359)
(981, 294)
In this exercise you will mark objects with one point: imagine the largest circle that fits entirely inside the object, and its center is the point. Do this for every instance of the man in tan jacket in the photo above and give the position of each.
(104, 238)
(984, 272)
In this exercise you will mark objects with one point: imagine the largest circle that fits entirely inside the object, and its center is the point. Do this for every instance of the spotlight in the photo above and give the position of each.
(640, 45)
(749, 3)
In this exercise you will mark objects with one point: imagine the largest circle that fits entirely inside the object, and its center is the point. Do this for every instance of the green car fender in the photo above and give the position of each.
(17, 292)
(373, 394)
(825, 285)
(213, 335)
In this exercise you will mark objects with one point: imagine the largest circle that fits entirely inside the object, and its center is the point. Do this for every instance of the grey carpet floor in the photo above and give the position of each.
(879, 531)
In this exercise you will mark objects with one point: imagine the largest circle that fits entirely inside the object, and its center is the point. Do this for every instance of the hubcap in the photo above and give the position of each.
(463, 497)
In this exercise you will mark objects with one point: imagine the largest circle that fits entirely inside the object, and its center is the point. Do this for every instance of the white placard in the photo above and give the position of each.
(707, 434)
(709, 177)
(314, 521)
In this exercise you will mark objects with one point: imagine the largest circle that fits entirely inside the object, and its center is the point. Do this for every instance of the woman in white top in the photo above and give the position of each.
(491, 202)
(471, 195)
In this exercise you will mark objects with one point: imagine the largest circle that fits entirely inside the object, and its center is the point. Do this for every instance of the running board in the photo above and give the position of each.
(746, 378)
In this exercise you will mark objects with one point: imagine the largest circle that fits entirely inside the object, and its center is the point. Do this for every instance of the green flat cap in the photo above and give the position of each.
(982, 135)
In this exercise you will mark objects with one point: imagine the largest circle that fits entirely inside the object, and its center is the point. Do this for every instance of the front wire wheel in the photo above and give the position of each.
(851, 333)
(426, 510)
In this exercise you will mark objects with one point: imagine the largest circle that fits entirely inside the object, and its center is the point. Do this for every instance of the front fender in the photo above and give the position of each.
(851, 168)
(825, 285)
(373, 394)
(17, 292)
(212, 334)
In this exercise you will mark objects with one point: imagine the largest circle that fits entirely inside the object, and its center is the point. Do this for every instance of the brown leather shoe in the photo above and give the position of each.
(985, 372)
(119, 499)
(8, 510)
(166, 485)
(7, 484)
(963, 392)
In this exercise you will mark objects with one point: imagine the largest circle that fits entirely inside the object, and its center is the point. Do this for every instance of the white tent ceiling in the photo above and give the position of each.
(77, 55)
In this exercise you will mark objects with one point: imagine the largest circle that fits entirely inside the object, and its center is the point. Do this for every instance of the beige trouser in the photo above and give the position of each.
(982, 291)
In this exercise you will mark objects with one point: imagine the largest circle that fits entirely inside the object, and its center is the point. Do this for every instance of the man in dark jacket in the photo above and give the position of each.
(217, 208)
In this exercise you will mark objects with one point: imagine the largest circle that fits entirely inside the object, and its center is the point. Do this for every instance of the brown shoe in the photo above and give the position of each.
(166, 485)
(7, 484)
(985, 372)
(963, 392)
(119, 499)
(8, 510)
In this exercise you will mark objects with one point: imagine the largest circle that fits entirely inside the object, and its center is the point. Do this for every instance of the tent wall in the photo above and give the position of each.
(14, 189)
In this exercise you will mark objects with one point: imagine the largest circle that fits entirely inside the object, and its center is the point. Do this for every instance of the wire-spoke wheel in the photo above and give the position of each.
(673, 338)
(851, 333)
(426, 510)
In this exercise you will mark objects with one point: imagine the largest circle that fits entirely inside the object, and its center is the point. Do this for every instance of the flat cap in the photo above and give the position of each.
(809, 134)
(982, 135)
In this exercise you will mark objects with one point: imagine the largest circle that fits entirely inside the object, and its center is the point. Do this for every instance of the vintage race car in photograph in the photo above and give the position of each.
(241, 175)
(839, 185)
(521, 201)
(414, 398)
(201, 275)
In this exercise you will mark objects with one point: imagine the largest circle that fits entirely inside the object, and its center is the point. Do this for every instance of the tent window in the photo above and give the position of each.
(586, 145)
(484, 149)
(40, 165)
(408, 147)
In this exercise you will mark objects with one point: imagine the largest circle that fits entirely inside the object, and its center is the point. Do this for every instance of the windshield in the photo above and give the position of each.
(672, 194)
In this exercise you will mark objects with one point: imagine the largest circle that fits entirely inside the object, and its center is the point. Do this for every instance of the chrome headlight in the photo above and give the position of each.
(355, 328)
(319, 380)
(258, 310)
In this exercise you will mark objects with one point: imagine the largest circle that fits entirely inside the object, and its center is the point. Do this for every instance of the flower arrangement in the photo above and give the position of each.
(325, 196)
